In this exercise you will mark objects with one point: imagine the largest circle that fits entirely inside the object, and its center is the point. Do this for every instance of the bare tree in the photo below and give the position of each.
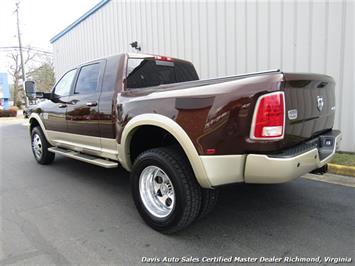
(16, 73)
(43, 75)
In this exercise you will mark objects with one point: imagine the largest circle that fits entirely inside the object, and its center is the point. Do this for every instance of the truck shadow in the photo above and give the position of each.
(244, 213)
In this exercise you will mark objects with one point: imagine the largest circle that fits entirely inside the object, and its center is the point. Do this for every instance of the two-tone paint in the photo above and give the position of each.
(213, 114)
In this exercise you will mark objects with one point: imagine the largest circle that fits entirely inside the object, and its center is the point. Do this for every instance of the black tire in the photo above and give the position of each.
(45, 157)
(187, 192)
(209, 201)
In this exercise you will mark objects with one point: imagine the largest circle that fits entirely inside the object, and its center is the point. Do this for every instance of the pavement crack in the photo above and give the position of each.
(20, 257)
(40, 243)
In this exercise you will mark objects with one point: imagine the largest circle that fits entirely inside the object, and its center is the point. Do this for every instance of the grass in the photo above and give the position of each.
(344, 158)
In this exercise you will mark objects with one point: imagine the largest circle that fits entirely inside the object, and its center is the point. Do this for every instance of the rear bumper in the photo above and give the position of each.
(269, 169)
(292, 163)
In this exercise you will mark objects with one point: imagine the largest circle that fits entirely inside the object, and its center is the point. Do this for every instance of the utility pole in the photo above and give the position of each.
(20, 48)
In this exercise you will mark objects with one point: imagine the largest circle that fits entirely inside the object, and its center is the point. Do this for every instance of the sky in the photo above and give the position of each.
(40, 20)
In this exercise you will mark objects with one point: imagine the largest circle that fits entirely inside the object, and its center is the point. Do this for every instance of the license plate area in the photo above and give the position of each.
(325, 144)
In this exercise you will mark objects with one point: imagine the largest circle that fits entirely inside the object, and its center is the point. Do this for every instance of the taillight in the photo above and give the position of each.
(163, 58)
(269, 117)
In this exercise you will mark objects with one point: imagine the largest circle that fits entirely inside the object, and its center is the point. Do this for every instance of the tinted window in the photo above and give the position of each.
(87, 79)
(143, 73)
(64, 84)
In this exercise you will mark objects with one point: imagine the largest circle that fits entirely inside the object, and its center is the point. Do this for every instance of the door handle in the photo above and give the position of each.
(91, 104)
(62, 105)
(74, 101)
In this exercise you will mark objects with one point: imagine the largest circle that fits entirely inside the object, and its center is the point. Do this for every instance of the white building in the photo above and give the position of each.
(226, 37)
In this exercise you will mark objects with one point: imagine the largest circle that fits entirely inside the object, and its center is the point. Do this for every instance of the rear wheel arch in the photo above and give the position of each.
(156, 136)
(174, 130)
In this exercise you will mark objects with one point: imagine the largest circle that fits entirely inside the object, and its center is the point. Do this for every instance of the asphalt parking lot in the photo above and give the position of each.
(74, 213)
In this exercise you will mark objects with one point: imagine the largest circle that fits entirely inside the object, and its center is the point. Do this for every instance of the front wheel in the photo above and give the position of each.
(165, 190)
(40, 147)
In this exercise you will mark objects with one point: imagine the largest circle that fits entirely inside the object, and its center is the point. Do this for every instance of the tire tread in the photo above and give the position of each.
(209, 201)
(47, 156)
(177, 160)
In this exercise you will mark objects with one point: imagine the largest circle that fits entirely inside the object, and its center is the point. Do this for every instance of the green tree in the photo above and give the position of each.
(43, 76)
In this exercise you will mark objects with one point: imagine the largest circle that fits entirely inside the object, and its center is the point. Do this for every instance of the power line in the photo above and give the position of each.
(39, 50)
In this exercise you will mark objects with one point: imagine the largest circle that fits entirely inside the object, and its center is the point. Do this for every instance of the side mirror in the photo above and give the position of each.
(39, 95)
(30, 89)
(31, 93)
(44, 95)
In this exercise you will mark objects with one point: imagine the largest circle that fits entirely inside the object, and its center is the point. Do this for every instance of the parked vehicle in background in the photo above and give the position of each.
(181, 137)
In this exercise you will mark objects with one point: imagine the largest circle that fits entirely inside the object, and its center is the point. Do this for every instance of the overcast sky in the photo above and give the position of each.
(40, 20)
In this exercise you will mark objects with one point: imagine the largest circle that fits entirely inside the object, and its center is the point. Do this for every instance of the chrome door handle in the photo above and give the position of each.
(91, 104)
(62, 105)
(73, 101)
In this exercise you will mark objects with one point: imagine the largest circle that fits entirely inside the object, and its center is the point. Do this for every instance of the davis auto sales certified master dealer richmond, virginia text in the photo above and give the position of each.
(231, 259)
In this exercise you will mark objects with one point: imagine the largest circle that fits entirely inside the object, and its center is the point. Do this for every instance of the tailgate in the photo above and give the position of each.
(310, 105)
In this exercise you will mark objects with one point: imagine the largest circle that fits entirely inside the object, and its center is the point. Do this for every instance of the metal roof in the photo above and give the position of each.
(79, 20)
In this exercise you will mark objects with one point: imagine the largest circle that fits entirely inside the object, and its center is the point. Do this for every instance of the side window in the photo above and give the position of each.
(64, 84)
(88, 78)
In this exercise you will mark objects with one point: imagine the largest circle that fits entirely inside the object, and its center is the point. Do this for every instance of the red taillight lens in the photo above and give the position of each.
(163, 58)
(269, 117)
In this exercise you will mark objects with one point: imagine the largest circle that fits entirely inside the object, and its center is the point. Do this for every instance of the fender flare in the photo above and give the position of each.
(175, 130)
(35, 116)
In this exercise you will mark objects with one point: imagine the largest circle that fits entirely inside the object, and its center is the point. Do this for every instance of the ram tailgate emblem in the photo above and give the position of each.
(292, 114)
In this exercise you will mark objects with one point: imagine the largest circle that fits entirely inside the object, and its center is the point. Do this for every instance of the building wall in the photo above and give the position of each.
(228, 37)
(4, 91)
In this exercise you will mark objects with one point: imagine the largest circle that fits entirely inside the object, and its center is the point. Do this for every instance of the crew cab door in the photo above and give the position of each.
(83, 111)
(54, 111)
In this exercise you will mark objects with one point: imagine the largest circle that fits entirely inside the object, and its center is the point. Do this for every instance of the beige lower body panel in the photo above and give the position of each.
(224, 169)
(263, 169)
(260, 168)
(102, 147)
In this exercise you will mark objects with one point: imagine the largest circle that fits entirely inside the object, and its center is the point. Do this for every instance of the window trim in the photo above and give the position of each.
(71, 86)
(98, 89)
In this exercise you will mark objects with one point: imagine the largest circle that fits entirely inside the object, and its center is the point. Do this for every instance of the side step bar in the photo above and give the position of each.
(84, 157)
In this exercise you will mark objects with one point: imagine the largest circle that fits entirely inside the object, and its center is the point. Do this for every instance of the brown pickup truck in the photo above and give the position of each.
(181, 137)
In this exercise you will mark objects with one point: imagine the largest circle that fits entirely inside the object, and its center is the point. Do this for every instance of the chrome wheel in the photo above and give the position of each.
(37, 146)
(156, 191)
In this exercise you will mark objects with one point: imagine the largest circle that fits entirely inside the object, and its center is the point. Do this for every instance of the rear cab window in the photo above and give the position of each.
(88, 79)
(155, 71)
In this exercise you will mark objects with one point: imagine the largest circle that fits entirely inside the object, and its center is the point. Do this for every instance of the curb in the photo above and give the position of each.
(347, 181)
(341, 169)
